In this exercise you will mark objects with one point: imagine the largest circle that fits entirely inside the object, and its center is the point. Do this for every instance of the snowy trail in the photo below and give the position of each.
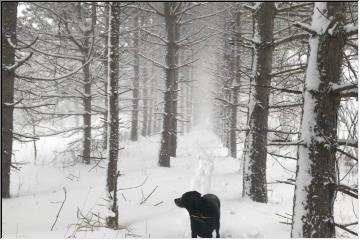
(219, 174)
(202, 164)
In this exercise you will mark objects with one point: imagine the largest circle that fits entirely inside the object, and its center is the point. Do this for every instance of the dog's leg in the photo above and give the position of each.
(193, 234)
(217, 233)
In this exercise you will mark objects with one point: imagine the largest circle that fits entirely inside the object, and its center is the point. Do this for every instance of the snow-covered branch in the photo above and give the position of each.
(154, 35)
(348, 142)
(18, 63)
(348, 190)
(286, 105)
(298, 36)
(26, 45)
(346, 154)
(186, 64)
(351, 29)
(156, 63)
(248, 7)
(230, 103)
(56, 78)
(344, 90)
(293, 7)
(157, 11)
(306, 28)
(34, 106)
(285, 143)
(202, 17)
(184, 10)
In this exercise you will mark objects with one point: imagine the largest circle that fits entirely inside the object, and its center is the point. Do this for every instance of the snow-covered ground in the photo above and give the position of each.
(202, 164)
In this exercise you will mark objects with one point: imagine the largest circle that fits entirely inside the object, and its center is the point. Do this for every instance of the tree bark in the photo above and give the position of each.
(189, 96)
(8, 32)
(254, 176)
(173, 35)
(87, 88)
(145, 102)
(105, 63)
(87, 114)
(135, 112)
(150, 128)
(168, 135)
(316, 178)
(113, 135)
(236, 86)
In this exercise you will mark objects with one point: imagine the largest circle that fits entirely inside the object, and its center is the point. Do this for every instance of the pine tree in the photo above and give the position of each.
(255, 153)
(316, 179)
(113, 136)
(8, 36)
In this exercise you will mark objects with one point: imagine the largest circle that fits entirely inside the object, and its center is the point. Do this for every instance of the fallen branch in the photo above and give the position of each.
(143, 201)
(57, 215)
(158, 203)
(119, 189)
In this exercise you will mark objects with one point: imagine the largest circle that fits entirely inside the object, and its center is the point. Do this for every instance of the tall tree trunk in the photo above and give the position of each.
(254, 175)
(156, 94)
(151, 105)
(236, 85)
(145, 101)
(174, 33)
(188, 106)
(157, 117)
(87, 114)
(113, 141)
(168, 137)
(316, 179)
(105, 63)
(8, 26)
(87, 88)
(229, 69)
(189, 95)
(182, 106)
(135, 112)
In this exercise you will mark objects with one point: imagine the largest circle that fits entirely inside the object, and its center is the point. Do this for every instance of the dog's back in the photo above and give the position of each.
(213, 199)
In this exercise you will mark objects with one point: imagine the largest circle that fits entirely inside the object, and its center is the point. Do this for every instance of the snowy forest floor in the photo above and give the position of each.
(202, 164)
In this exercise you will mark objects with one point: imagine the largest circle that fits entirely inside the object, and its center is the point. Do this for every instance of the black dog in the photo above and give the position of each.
(204, 213)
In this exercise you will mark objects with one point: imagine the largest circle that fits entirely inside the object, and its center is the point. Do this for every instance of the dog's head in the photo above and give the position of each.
(189, 200)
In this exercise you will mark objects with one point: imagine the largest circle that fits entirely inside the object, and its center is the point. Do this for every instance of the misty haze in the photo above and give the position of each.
(179, 119)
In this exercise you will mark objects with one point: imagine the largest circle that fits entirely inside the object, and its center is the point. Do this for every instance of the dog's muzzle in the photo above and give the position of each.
(178, 202)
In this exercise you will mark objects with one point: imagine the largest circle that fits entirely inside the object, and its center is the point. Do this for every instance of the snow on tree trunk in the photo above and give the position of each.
(87, 89)
(168, 135)
(8, 33)
(174, 33)
(236, 85)
(135, 111)
(113, 135)
(316, 169)
(254, 175)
